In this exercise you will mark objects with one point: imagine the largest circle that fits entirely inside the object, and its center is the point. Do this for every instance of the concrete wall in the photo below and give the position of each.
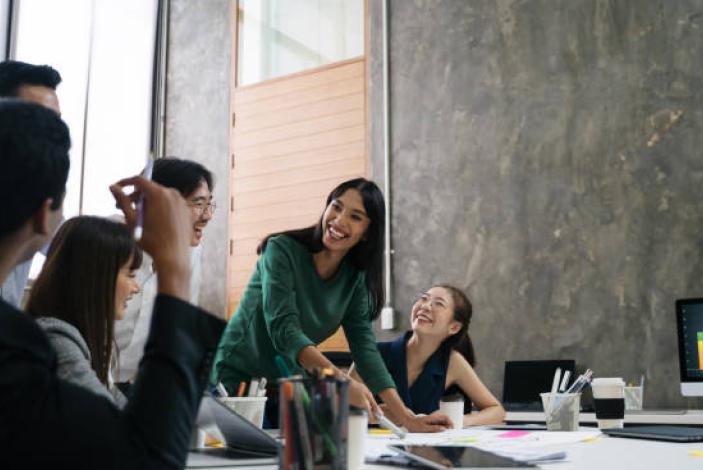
(197, 124)
(546, 159)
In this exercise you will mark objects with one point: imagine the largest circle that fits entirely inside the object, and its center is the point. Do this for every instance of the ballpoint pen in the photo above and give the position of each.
(576, 387)
(253, 388)
(555, 382)
(565, 380)
(582, 380)
(388, 424)
(221, 390)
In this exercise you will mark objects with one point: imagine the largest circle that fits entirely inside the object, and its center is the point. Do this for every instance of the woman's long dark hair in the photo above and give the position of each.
(367, 255)
(77, 282)
(461, 340)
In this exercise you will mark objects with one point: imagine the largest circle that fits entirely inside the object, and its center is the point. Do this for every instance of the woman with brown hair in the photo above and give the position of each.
(436, 358)
(83, 287)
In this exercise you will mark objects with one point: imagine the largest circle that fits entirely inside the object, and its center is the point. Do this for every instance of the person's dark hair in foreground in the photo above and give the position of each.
(34, 146)
(46, 422)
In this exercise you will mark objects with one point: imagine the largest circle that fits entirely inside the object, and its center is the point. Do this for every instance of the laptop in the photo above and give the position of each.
(523, 381)
(659, 433)
(245, 444)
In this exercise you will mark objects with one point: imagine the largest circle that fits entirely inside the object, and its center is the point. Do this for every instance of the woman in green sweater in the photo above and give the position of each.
(306, 284)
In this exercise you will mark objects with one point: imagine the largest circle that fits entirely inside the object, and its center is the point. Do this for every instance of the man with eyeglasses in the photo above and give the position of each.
(195, 183)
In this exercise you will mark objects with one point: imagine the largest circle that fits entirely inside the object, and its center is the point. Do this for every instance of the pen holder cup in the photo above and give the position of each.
(633, 397)
(313, 417)
(561, 411)
(250, 408)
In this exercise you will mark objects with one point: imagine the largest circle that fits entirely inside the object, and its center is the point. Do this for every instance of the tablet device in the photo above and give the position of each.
(659, 433)
(443, 457)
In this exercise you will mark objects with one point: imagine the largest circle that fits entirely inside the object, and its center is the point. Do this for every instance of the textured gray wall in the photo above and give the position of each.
(546, 159)
(197, 119)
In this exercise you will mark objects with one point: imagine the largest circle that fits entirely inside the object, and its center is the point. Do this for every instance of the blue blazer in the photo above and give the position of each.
(428, 388)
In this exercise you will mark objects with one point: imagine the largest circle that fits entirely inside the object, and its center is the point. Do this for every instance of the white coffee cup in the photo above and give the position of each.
(358, 424)
(454, 410)
(611, 389)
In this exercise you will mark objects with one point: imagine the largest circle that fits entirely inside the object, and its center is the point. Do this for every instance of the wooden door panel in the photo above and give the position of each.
(294, 139)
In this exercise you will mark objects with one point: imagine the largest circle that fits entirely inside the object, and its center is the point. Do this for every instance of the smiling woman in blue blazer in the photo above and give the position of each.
(436, 357)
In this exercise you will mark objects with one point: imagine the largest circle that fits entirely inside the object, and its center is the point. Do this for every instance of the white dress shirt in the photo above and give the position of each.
(132, 331)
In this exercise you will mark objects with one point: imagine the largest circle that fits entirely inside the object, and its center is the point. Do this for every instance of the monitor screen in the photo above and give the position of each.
(689, 319)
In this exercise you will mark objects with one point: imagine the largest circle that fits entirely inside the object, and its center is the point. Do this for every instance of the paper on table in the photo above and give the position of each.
(530, 446)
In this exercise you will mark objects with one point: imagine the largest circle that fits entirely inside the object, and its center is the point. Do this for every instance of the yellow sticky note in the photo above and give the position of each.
(463, 440)
(592, 439)
(695, 453)
(380, 431)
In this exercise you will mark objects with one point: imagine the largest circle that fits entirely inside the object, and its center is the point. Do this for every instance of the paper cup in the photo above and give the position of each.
(455, 411)
(609, 400)
(358, 426)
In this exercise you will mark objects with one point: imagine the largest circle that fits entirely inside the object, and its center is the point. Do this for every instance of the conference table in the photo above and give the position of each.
(602, 453)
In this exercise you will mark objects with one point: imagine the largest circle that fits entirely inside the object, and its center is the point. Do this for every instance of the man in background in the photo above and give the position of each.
(195, 183)
(35, 83)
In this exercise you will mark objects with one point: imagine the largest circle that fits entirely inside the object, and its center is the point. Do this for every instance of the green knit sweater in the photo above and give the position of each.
(286, 307)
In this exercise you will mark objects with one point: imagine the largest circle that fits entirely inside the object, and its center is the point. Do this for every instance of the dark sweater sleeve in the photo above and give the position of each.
(280, 310)
(362, 341)
(45, 421)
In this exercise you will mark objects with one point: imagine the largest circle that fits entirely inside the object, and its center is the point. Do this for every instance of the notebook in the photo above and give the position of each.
(523, 381)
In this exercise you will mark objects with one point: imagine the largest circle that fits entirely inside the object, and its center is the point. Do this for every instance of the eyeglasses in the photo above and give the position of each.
(201, 207)
(435, 302)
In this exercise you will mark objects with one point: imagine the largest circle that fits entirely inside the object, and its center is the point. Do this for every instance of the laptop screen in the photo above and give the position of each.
(525, 380)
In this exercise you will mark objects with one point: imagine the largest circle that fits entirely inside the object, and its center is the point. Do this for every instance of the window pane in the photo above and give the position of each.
(119, 100)
(104, 51)
(280, 37)
(4, 16)
(58, 34)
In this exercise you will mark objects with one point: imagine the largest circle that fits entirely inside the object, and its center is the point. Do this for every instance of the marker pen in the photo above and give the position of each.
(139, 228)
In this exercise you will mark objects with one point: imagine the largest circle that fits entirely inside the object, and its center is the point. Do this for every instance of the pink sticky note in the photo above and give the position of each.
(513, 434)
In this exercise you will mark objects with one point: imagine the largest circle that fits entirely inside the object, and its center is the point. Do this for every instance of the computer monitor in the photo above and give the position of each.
(689, 320)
